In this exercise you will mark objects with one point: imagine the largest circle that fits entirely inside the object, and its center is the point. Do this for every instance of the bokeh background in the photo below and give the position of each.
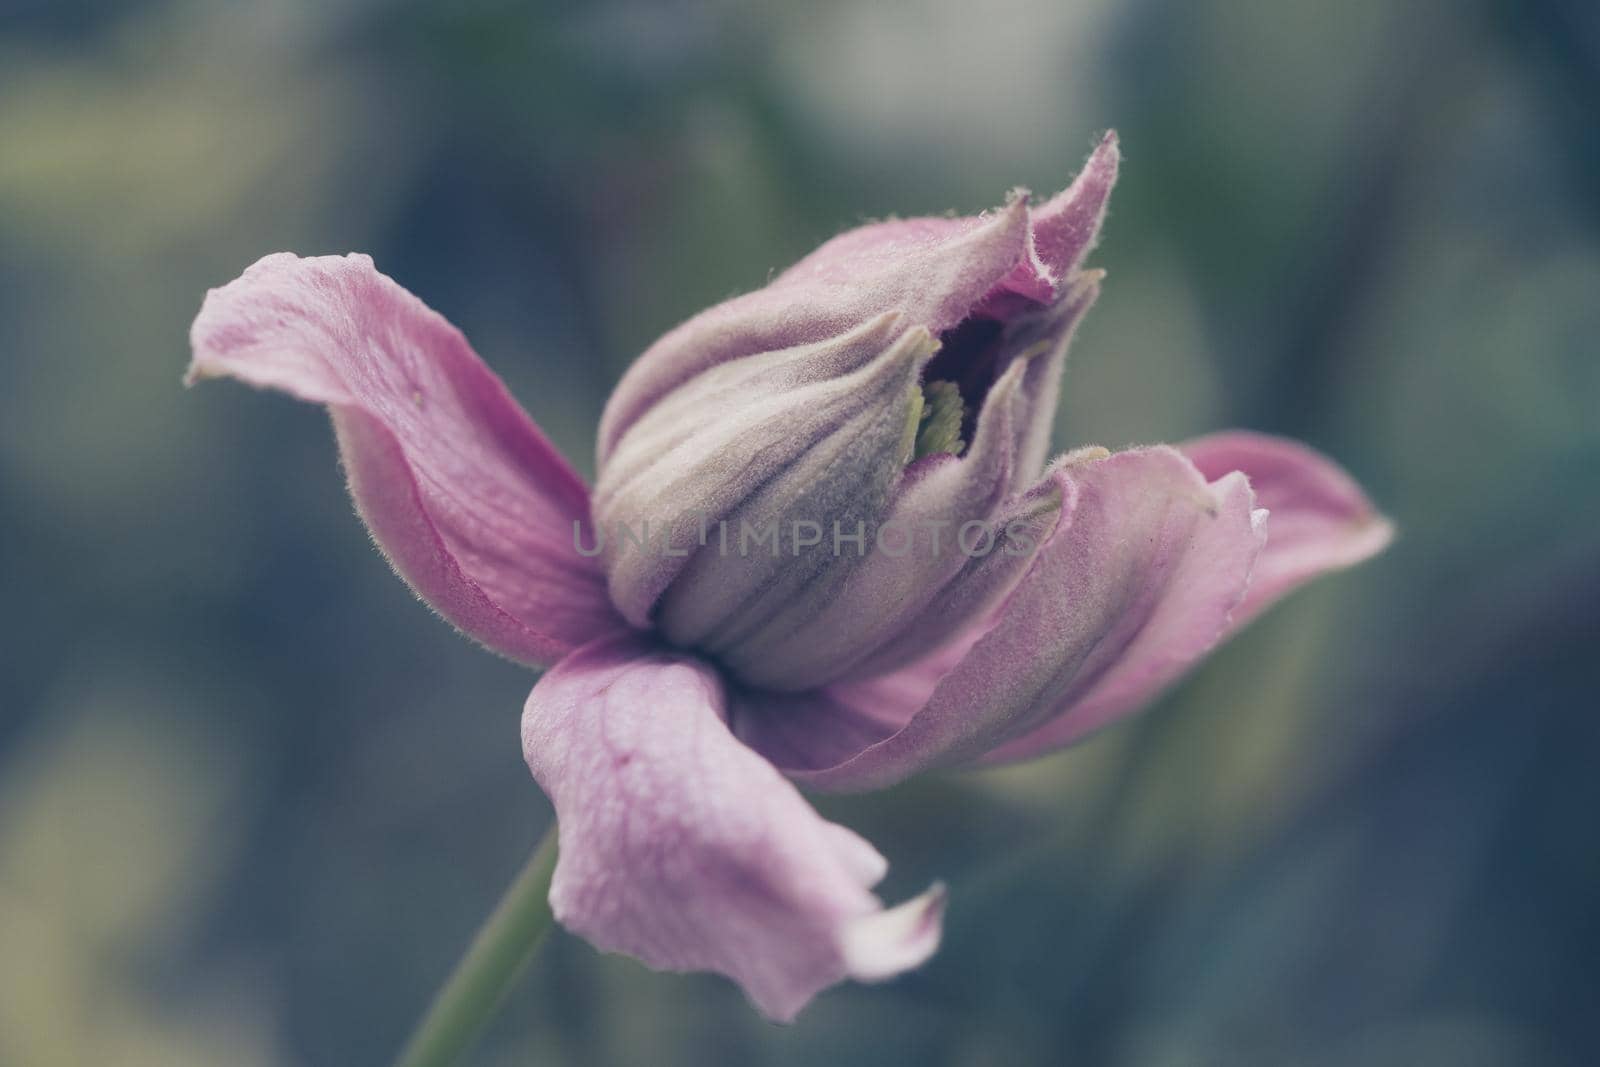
(254, 799)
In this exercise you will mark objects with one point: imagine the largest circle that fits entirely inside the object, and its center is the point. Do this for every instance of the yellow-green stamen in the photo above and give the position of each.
(942, 414)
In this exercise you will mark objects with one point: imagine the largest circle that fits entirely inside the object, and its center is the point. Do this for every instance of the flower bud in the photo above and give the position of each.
(830, 476)
(697, 506)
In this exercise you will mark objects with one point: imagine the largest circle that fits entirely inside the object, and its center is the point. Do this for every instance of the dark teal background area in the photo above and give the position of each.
(254, 798)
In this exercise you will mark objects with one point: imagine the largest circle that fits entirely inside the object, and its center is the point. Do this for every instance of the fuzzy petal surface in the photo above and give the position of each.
(463, 494)
(929, 271)
(934, 272)
(813, 433)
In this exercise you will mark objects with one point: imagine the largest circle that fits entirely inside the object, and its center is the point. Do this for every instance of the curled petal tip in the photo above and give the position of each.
(880, 945)
(1365, 537)
(1066, 227)
(1321, 519)
(1085, 454)
(197, 373)
(1379, 532)
(1104, 161)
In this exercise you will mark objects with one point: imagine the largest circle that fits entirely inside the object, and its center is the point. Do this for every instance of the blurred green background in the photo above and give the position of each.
(254, 799)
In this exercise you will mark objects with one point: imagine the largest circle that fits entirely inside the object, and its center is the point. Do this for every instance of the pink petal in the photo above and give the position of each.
(1066, 227)
(1041, 389)
(1186, 586)
(1134, 585)
(1321, 520)
(467, 499)
(687, 850)
(1318, 520)
(930, 271)
(934, 272)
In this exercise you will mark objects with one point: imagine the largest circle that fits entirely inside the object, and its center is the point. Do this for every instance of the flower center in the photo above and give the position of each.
(970, 358)
(940, 420)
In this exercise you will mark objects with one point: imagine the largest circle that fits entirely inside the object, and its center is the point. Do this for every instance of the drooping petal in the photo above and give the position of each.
(1321, 520)
(468, 500)
(687, 850)
(1133, 587)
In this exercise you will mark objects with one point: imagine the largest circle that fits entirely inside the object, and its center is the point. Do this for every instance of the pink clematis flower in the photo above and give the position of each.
(903, 378)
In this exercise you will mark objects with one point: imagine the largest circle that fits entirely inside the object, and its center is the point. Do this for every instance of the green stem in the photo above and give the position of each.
(497, 956)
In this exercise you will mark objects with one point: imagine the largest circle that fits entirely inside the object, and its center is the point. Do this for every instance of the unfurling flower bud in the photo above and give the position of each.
(831, 476)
